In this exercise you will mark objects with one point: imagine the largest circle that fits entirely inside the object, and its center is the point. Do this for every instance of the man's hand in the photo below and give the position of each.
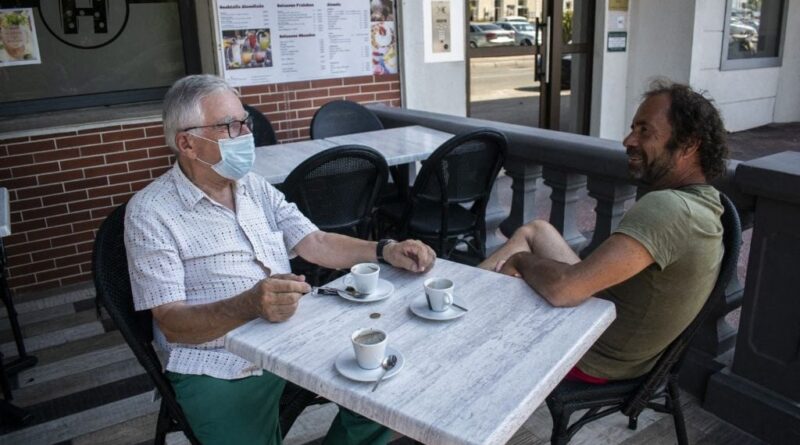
(276, 298)
(411, 255)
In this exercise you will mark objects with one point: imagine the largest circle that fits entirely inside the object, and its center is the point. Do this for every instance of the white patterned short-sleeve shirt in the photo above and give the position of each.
(183, 246)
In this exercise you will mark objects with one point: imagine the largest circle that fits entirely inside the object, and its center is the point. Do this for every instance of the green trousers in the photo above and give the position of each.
(245, 411)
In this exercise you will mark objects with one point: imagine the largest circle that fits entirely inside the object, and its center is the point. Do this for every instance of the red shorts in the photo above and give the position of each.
(576, 375)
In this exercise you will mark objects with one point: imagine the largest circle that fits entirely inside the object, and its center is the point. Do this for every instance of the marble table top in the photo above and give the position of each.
(471, 380)
(398, 145)
(5, 213)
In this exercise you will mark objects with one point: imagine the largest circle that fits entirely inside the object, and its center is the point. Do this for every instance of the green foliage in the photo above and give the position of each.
(566, 26)
(17, 18)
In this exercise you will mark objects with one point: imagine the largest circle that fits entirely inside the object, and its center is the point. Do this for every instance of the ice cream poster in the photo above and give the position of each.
(18, 44)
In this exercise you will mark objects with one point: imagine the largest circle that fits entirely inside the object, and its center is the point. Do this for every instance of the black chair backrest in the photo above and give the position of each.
(263, 133)
(343, 117)
(672, 358)
(463, 169)
(336, 189)
(113, 286)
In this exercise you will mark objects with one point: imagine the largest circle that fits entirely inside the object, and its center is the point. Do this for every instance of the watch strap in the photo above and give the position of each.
(379, 249)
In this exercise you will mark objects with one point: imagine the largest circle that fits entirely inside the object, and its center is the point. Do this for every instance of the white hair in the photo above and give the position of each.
(182, 103)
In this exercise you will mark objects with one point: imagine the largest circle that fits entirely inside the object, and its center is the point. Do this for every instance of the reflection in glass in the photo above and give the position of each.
(754, 28)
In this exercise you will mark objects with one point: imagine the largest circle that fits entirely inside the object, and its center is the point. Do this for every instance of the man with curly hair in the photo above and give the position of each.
(661, 262)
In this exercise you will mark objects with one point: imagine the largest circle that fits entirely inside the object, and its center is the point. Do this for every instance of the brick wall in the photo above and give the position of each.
(62, 185)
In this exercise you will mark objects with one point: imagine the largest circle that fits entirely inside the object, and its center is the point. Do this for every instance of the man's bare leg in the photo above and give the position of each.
(537, 236)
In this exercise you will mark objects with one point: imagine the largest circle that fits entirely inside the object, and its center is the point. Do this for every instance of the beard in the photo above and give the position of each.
(646, 171)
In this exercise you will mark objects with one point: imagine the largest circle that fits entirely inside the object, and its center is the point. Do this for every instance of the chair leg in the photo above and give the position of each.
(559, 435)
(677, 411)
(633, 422)
(162, 425)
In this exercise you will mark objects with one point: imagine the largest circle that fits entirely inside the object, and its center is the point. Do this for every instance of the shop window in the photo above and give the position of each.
(78, 54)
(753, 33)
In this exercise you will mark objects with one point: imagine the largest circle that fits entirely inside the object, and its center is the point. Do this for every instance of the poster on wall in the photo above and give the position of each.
(269, 41)
(18, 43)
(443, 31)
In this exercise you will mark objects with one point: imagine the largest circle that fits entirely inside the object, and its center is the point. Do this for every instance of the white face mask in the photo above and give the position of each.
(238, 155)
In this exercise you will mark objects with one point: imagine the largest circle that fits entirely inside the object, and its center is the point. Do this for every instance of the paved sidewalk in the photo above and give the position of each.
(764, 141)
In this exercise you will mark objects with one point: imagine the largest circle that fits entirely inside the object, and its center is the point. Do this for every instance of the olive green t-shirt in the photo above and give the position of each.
(681, 229)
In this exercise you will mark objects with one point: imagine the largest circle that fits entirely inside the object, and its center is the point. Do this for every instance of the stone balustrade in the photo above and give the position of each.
(568, 163)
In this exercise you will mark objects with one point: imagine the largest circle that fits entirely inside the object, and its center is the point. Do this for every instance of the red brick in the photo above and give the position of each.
(320, 102)
(56, 155)
(15, 161)
(3, 151)
(14, 140)
(272, 98)
(304, 133)
(375, 87)
(86, 183)
(98, 215)
(101, 149)
(361, 98)
(53, 135)
(301, 123)
(298, 104)
(344, 90)
(31, 147)
(75, 141)
(358, 80)
(136, 186)
(54, 253)
(294, 86)
(28, 225)
(306, 113)
(24, 269)
(25, 204)
(74, 238)
(26, 248)
(135, 133)
(67, 218)
(100, 130)
(310, 94)
(110, 190)
(155, 131)
(17, 283)
(119, 199)
(325, 83)
(159, 152)
(57, 273)
(88, 226)
(74, 259)
(89, 204)
(276, 117)
(129, 177)
(38, 287)
(146, 164)
(387, 96)
(267, 108)
(44, 212)
(61, 177)
(15, 238)
(35, 169)
(144, 143)
(17, 183)
(48, 233)
(105, 170)
(81, 278)
(82, 163)
(145, 124)
(85, 247)
(287, 135)
(255, 89)
(385, 77)
(126, 156)
(76, 195)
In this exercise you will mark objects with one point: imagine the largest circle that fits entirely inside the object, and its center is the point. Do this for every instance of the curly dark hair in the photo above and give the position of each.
(694, 118)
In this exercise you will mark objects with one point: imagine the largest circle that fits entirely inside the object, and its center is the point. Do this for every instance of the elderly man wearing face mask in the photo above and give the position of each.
(208, 249)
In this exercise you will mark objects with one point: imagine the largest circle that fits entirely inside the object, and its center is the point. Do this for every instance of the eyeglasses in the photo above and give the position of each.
(234, 127)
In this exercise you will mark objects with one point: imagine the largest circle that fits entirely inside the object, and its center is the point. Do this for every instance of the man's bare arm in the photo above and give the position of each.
(617, 259)
(274, 299)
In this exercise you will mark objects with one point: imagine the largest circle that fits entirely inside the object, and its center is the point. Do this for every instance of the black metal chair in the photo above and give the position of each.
(336, 189)
(447, 203)
(631, 397)
(112, 283)
(263, 133)
(343, 117)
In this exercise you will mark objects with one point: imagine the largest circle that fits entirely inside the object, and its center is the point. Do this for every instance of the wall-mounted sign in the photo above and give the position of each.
(617, 5)
(443, 31)
(275, 41)
(18, 43)
(617, 41)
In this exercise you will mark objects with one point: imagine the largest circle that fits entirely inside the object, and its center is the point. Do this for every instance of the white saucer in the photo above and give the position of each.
(384, 290)
(420, 308)
(347, 366)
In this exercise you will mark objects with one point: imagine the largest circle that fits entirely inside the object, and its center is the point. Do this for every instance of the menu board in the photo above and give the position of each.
(275, 41)
(18, 43)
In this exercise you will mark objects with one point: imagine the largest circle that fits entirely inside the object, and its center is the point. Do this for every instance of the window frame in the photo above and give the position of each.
(753, 62)
(187, 17)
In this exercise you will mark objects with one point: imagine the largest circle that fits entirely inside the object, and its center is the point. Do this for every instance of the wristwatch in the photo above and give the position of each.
(379, 249)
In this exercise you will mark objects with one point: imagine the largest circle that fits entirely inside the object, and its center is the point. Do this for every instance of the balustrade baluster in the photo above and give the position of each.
(564, 212)
(611, 196)
(525, 175)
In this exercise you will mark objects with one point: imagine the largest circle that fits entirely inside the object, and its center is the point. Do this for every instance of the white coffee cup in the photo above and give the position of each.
(369, 345)
(364, 277)
(439, 292)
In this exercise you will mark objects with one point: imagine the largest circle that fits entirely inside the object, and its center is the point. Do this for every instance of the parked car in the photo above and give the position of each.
(524, 32)
(515, 18)
(488, 34)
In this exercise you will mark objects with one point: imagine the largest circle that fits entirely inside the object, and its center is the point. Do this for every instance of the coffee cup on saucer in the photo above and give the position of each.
(369, 345)
(364, 277)
(439, 292)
